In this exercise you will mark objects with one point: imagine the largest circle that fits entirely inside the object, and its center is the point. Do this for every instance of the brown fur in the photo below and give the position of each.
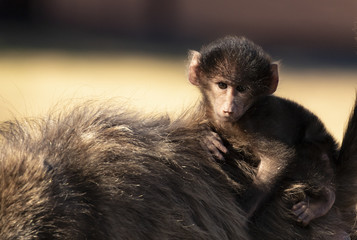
(97, 172)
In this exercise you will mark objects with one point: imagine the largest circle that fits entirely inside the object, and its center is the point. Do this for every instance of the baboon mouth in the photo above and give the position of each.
(228, 118)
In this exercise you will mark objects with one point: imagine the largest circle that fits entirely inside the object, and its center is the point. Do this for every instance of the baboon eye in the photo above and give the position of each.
(222, 85)
(241, 88)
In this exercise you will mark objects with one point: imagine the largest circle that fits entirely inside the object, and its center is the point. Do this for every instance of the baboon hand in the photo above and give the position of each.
(311, 208)
(214, 144)
(303, 212)
(308, 209)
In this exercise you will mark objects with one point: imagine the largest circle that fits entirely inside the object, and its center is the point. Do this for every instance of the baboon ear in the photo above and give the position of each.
(275, 78)
(193, 67)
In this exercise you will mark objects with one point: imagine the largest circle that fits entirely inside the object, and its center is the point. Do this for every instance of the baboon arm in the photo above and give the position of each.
(268, 174)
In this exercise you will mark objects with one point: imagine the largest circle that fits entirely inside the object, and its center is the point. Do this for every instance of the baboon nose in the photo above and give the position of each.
(227, 112)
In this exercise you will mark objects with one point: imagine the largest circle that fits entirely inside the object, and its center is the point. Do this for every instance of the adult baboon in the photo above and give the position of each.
(97, 172)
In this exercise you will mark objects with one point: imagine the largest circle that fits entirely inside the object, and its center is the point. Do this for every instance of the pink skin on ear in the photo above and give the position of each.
(275, 79)
(192, 70)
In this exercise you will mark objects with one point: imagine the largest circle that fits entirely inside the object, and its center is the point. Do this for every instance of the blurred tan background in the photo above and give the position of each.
(135, 51)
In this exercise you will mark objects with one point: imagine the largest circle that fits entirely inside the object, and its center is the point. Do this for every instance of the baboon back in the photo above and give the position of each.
(97, 172)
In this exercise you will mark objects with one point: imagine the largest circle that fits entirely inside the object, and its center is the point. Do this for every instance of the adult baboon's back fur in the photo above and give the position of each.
(103, 173)
(100, 172)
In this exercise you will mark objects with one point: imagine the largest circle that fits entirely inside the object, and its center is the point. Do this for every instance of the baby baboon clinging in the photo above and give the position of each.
(236, 79)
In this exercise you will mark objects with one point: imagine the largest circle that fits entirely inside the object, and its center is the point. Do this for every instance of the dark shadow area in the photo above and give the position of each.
(170, 29)
(22, 39)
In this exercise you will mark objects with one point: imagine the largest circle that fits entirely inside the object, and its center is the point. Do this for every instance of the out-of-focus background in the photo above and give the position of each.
(135, 50)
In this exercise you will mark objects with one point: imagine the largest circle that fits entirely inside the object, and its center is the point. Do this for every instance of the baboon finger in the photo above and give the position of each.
(300, 209)
(217, 141)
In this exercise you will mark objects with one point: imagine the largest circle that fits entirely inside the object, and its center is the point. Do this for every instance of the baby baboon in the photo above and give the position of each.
(236, 79)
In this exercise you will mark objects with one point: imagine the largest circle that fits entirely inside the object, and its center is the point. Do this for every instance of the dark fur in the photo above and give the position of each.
(346, 197)
(306, 174)
(312, 169)
(104, 173)
(253, 68)
(254, 63)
